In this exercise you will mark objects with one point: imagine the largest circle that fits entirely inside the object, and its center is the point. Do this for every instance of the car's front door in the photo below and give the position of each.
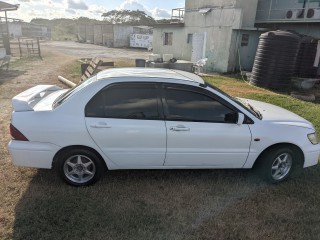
(125, 121)
(202, 131)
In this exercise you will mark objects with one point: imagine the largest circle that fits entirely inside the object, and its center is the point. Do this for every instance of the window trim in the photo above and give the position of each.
(194, 89)
(158, 98)
(168, 43)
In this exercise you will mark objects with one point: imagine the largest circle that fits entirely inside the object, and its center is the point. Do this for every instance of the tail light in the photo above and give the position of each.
(16, 134)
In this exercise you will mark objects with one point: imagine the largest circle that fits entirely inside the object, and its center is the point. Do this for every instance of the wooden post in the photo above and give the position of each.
(20, 49)
(8, 50)
(39, 50)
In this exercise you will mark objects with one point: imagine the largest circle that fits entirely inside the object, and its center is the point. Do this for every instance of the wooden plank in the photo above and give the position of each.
(107, 64)
(90, 70)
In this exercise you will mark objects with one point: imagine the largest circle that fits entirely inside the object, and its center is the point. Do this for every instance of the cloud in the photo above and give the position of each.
(71, 11)
(158, 13)
(77, 4)
(134, 5)
(96, 9)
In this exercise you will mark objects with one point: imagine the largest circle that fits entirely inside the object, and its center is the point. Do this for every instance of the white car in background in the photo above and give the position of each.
(135, 118)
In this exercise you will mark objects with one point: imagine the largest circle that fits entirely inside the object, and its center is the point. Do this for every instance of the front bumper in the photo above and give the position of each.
(32, 154)
(311, 158)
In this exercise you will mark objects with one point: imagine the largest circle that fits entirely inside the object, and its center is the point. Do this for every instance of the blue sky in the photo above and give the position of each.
(50, 9)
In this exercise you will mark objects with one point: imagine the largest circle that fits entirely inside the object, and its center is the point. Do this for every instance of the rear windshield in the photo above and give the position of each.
(64, 97)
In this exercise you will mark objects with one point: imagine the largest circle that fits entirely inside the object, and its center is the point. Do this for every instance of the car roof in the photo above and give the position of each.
(158, 73)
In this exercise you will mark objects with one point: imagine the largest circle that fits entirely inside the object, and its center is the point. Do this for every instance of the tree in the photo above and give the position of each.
(128, 17)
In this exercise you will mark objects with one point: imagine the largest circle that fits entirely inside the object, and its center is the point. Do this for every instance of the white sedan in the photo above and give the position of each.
(135, 118)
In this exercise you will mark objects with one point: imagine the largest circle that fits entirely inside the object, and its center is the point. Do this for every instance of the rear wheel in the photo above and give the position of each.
(80, 167)
(277, 164)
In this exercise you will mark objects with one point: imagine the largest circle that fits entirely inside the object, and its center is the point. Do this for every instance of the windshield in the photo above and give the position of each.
(240, 102)
(61, 99)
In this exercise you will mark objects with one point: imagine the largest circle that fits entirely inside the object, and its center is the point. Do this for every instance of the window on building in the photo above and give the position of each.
(189, 39)
(245, 40)
(167, 40)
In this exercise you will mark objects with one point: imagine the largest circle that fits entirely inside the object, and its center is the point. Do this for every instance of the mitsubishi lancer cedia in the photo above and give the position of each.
(135, 118)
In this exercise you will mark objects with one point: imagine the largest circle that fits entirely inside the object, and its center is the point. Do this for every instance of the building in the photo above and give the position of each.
(227, 31)
(110, 35)
(141, 37)
(19, 28)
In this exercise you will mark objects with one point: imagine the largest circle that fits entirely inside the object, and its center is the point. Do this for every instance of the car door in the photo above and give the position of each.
(125, 122)
(201, 131)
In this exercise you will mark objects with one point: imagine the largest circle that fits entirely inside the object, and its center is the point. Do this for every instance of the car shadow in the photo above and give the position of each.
(50, 209)
(139, 204)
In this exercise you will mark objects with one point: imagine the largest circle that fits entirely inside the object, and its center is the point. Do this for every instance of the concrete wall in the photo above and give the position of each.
(180, 49)
(249, 10)
(192, 4)
(106, 34)
(15, 29)
(122, 35)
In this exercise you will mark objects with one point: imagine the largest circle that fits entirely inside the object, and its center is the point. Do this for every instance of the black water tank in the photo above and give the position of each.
(306, 57)
(275, 60)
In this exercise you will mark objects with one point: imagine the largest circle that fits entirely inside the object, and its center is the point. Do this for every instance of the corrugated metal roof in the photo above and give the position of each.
(7, 7)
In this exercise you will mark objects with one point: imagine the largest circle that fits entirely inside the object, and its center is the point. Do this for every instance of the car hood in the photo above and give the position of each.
(275, 114)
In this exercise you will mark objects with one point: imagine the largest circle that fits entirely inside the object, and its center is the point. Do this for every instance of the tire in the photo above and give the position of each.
(80, 167)
(278, 164)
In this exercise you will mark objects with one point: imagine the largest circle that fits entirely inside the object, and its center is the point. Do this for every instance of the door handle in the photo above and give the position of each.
(100, 125)
(180, 128)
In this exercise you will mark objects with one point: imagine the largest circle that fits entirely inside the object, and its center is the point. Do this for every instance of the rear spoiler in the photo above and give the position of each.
(26, 100)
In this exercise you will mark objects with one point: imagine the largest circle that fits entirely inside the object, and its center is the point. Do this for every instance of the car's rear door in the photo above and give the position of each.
(201, 131)
(125, 121)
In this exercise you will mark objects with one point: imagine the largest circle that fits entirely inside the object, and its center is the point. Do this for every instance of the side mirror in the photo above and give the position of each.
(240, 119)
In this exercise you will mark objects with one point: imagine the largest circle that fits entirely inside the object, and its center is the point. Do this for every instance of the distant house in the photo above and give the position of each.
(227, 31)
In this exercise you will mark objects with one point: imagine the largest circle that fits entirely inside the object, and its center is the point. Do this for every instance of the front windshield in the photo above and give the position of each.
(240, 102)
(61, 99)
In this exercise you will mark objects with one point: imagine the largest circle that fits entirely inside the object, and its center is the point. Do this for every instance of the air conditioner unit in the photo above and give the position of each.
(313, 13)
(295, 14)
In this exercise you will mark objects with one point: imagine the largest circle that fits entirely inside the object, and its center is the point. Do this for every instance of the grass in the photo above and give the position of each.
(237, 87)
(192, 204)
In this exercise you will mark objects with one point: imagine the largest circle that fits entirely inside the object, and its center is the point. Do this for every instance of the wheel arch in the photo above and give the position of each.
(294, 147)
(68, 148)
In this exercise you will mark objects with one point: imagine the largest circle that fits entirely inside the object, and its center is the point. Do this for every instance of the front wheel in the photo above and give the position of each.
(80, 167)
(278, 164)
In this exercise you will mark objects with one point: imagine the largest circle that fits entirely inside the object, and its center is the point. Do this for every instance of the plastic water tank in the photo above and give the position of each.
(275, 60)
(306, 57)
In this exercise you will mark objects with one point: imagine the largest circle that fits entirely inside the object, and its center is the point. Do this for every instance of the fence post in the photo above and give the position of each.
(39, 50)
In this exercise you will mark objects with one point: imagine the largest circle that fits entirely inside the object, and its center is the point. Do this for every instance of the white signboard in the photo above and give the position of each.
(141, 40)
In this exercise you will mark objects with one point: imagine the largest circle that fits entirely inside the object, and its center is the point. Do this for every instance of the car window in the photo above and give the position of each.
(125, 101)
(187, 105)
(64, 97)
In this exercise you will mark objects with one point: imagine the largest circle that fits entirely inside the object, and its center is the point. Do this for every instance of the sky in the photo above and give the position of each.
(50, 9)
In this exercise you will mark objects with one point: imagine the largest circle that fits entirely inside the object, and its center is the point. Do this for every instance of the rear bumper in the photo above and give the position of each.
(32, 154)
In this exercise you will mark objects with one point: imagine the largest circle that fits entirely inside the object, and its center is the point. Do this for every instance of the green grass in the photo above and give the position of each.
(178, 205)
(238, 88)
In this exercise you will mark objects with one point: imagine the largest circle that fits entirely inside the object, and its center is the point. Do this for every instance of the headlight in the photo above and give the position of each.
(313, 138)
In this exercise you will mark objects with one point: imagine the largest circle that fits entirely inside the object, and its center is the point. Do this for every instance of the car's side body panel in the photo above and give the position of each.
(218, 145)
(267, 134)
(137, 147)
(130, 143)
